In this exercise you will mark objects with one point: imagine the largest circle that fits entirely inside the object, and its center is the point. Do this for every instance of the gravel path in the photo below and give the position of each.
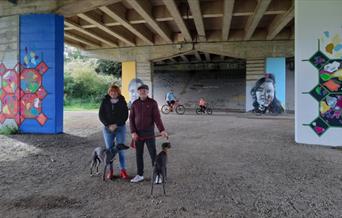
(224, 165)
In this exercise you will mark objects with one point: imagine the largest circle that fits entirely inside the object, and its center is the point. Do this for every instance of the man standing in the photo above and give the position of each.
(144, 114)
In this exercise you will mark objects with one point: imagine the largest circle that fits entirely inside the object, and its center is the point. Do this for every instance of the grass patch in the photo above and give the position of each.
(9, 130)
(81, 105)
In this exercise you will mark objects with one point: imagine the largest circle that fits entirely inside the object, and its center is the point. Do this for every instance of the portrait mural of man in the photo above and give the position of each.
(132, 90)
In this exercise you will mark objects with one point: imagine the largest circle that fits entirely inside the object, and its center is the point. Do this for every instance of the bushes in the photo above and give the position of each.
(9, 130)
(83, 84)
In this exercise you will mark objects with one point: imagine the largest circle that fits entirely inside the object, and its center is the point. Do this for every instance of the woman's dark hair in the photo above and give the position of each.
(275, 106)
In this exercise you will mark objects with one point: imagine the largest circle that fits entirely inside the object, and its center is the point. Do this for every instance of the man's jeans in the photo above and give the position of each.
(120, 136)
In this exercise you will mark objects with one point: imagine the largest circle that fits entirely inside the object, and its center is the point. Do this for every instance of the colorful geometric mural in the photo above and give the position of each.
(9, 93)
(30, 59)
(329, 90)
(24, 102)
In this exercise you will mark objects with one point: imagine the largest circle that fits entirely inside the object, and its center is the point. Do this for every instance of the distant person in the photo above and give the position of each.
(113, 114)
(202, 104)
(143, 116)
(170, 98)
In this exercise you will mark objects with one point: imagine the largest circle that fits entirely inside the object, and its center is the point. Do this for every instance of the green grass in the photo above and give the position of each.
(8, 130)
(80, 105)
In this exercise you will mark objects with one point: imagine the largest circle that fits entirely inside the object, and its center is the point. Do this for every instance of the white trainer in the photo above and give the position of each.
(158, 180)
(137, 178)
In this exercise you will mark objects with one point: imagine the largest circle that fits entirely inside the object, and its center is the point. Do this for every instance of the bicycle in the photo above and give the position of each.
(207, 110)
(179, 108)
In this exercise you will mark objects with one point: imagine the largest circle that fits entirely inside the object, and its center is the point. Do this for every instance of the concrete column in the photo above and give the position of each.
(128, 74)
(144, 72)
(31, 73)
(318, 70)
(277, 67)
(134, 74)
(255, 69)
(42, 73)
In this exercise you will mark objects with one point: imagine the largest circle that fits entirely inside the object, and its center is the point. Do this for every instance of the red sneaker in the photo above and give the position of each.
(110, 174)
(123, 174)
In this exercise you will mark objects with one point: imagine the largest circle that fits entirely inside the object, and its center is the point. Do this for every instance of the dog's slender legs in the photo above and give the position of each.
(104, 172)
(152, 181)
(163, 172)
(91, 167)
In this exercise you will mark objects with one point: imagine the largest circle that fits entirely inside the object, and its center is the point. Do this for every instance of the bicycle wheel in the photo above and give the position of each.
(209, 111)
(180, 109)
(198, 111)
(165, 109)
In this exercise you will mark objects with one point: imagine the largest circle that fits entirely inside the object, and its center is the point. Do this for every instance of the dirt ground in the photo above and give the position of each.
(224, 165)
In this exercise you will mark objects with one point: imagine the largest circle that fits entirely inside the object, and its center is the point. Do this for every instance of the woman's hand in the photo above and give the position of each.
(112, 127)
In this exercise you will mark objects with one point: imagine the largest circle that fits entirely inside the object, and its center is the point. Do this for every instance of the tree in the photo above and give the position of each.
(108, 67)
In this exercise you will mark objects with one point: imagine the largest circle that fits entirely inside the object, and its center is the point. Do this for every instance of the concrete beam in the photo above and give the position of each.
(253, 21)
(279, 23)
(198, 18)
(173, 9)
(117, 12)
(82, 6)
(184, 58)
(73, 43)
(207, 57)
(89, 33)
(25, 7)
(81, 40)
(143, 7)
(243, 50)
(198, 56)
(228, 7)
(199, 66)
(91, 19)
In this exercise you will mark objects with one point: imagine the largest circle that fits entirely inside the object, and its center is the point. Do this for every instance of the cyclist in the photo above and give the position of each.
(170, 99)
(202, 104)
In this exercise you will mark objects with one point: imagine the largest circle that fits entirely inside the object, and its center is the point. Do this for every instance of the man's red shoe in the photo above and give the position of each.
(123, 174)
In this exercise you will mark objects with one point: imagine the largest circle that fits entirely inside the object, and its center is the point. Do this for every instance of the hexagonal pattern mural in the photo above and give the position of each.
(329, 90)
(22, 93)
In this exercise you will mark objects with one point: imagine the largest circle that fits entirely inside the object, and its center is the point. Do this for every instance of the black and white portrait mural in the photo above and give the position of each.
(132, 90)
(264, 96)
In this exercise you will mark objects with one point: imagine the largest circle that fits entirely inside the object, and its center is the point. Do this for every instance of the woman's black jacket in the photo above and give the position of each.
(110, 113)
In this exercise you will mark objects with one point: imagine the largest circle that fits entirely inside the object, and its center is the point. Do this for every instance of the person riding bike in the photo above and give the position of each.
(170, 99)
(202, 104)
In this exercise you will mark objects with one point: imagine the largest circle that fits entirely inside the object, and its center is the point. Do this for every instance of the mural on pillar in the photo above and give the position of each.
(132, 89)
(21, 90)
(9, 93)
(264, 96)
(328, 91)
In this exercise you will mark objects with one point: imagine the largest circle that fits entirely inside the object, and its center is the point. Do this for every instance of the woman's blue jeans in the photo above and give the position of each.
(114, 138)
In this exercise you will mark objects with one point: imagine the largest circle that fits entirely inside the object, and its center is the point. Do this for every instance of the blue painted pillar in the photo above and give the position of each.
(277, 67)
(41, 76)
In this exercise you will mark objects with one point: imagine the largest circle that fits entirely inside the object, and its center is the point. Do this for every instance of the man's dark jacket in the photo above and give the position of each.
(143, 116)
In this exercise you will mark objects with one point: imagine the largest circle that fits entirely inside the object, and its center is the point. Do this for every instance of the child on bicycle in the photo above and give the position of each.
(170, 99)
(202, 104)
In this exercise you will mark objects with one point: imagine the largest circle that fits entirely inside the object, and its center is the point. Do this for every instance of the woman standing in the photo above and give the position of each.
(113, 114)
